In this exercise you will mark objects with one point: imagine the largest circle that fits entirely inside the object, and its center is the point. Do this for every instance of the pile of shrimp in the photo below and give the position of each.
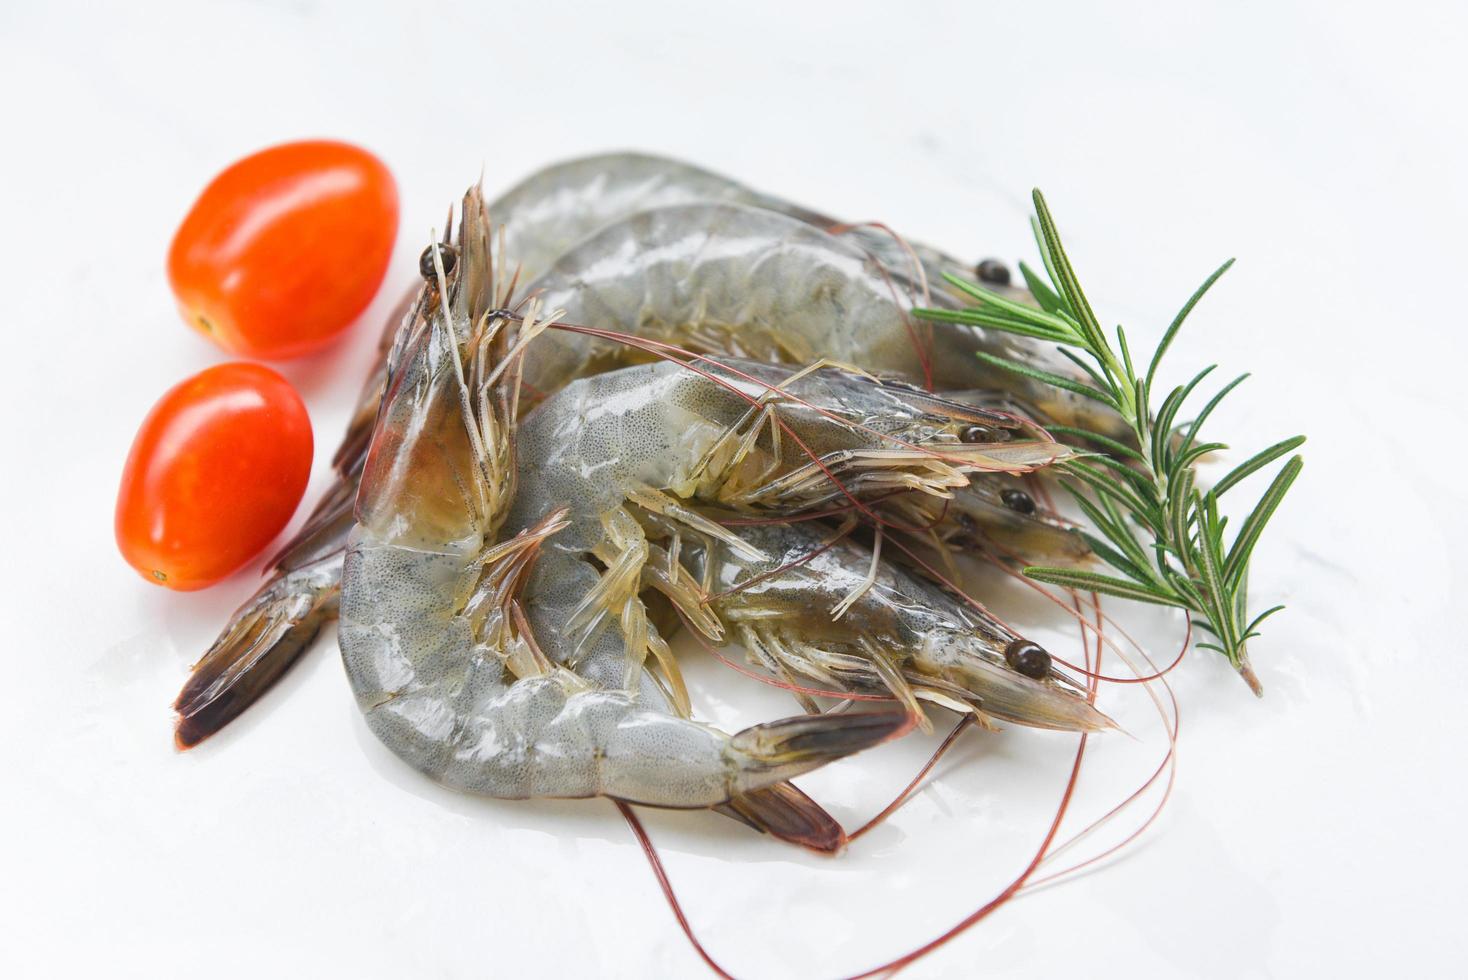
(631, 397)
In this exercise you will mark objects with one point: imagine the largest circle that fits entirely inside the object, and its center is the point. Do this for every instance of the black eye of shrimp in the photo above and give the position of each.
(977, 433)
(993, 271)
(447, 254)
(1028, 658)
(1017, 501)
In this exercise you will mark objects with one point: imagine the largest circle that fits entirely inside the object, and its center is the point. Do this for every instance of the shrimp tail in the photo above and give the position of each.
(276, 625)
(784, 812)
(792, 746)
(262, 641)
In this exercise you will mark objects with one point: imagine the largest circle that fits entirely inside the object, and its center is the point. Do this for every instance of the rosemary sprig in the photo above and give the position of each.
(1151, 520)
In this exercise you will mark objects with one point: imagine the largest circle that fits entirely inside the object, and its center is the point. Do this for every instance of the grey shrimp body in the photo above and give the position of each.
(902, 634)
(733, 279)
(725, 279)
(578, 197)
(625, 456)
(575, 197)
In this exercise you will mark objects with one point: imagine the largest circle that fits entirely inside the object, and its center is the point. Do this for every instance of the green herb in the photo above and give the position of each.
(1152, 521)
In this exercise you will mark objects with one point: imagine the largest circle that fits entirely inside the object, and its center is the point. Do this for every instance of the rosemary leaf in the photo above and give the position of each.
(1040, 289)
(1080, 363)
(1113, 447)
(997, 321)
(1194, 453)
(1248, 537)
(1057, 380)
(1069, 578)
(1182, 314)
(1174, 401)
(1202, 417)
(1252, 628)
(1018, 311)
(1257, 462)
(1116, 559)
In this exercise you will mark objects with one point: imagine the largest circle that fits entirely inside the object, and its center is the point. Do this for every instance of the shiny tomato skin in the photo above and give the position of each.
(284, 249)
(215, 472)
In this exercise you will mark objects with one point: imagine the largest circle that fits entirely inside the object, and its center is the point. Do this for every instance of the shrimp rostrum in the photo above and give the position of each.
(432, 633)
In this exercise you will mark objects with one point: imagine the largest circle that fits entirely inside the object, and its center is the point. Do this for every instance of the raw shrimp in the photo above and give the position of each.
(756, 283)
(725, 279)
(795, 613)
(432, 635)
(629, 456)
(568, 200)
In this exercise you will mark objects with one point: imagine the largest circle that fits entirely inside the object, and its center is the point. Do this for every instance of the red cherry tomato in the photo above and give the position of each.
(214, 473)
(284, 249)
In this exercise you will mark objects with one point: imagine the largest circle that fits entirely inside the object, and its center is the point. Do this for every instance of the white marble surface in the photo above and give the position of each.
(1315, 832)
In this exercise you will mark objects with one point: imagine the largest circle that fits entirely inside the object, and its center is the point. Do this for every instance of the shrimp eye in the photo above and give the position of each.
(447, 253)
(993, 271)
(1027, 658)
(977, 433)
(1017, 501)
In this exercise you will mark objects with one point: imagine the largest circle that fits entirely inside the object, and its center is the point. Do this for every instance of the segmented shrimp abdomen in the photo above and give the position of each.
(447, 705)
(557, 206)
(734, 280)
(601, 435)
(408, 658)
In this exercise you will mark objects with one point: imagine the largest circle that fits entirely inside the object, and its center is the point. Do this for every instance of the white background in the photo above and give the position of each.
(1315, 832)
